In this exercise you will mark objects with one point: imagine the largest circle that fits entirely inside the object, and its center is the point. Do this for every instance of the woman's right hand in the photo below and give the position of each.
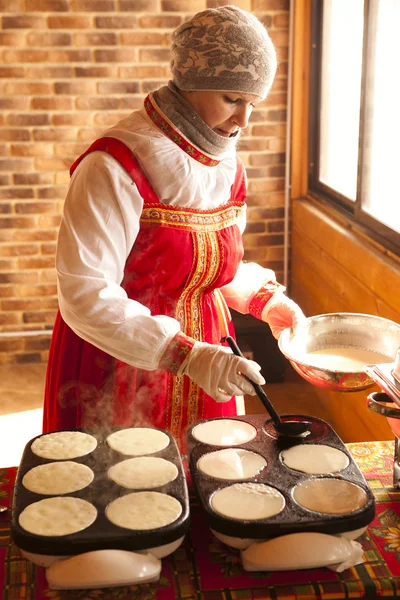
(219, 372)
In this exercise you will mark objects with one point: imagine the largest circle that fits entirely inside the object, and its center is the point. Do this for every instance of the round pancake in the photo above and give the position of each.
(57, 516)
(137, 441)
(331, 496)
(57, 478)
(231, 463)
(143, 510)
(315, 459)
(224, 432)
(143, 472)
(62, 445)
(248, 501)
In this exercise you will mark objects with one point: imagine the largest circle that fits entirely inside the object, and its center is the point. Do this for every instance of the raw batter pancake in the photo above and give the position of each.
(137, 441)
(231, 463)
(144, 510)
(315, 459)
(248, 501)
(343, 359)
(331, 496)
(62, 445)
(224, 432)
(58, 478)
(57, 516)
(143, 472)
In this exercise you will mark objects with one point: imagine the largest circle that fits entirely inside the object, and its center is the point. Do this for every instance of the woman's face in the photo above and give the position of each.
(224, 112)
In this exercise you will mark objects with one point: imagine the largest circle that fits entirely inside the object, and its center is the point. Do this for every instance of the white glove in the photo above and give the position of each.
(280, 312)
(220, 372)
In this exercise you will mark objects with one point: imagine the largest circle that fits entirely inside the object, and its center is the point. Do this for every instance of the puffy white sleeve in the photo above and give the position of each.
(99, 227)
(250, 278)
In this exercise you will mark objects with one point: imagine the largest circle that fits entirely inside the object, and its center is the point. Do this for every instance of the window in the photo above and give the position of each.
(355, 111)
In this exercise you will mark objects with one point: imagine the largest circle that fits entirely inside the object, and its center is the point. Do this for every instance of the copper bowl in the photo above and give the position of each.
(339, 330)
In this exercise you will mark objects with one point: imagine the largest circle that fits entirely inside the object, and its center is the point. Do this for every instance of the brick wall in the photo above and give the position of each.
(70, 69)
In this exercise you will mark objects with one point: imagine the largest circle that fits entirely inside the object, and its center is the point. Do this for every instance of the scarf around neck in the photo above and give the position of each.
(190, 124)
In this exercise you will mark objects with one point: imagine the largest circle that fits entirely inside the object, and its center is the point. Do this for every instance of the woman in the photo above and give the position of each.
(149, 251)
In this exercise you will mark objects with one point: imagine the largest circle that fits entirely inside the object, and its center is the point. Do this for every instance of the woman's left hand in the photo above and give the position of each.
(281, 312)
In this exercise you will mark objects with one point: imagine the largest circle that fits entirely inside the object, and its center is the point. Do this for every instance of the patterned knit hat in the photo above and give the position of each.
(223, 48)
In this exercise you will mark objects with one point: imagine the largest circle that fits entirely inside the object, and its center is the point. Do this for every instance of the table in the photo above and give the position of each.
(205, 569)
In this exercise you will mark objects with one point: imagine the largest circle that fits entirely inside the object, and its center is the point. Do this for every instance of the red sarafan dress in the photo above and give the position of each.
(180, 259)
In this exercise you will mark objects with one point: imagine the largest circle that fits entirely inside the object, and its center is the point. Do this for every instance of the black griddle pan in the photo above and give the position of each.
(102, 534)
(294, 518)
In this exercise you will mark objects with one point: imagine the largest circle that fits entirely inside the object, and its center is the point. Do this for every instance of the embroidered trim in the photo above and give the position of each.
(176, 353)
(175, 135)
(178, 218)
(262, 297)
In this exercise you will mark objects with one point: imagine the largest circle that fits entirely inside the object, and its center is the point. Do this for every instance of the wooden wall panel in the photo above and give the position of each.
(335, 270)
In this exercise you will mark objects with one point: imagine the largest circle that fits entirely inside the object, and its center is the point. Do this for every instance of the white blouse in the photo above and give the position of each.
(99, 227)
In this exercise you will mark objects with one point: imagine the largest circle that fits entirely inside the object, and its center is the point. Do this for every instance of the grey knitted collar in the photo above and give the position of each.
(190, 124)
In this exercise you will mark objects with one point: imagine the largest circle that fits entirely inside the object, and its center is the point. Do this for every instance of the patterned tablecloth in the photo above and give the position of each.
(205, 569)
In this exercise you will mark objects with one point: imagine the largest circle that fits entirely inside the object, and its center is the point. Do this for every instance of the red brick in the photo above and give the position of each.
(8, 291)
(143, 72)
(267, 159)
(93, 5)
(52, 192)
(33, 178)
(53, 134)
(24, 22)
(4, 148)
(71, 119)
(29, 291)
(108, 71)
(48, 248)
(95, 39)
(66, 56)
(47, 221)
(91, 134)
(48, 164)
(12, 72)
(71, 150)
(69, 22)
(47, 5)
(144, 38)
(30, 358)
(96, 103)
(120, 55)
(49, 39)
(12, 38)
(14, 103)
(19, 249)
(39, 262)
(39, 317)
(32, 149)
(270, 130)
(75, 88)
(5, 179)
(117, 87)
(5, 208)
(160, 21)
(17, 164)
(182, 5)
(281, 21)
(14, 192)
(23, 88)
(11, 5)
(49, 276)
(49, 72)
(116, 22)
(270, 5)
(49, 304)
(17, 304)
(27, 120)
(10, 135)
(33, 208)
(24, 55)
(40, 343)
(139, 5)
(9, 319)
(52, 103)
(19, 277)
